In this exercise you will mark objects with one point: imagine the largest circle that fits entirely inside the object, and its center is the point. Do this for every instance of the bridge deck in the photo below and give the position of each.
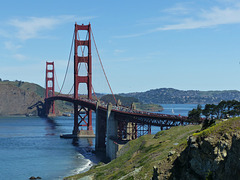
(156, 119)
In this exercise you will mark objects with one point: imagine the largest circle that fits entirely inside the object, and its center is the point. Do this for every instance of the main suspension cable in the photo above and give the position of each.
(69, 58)
(102, 67)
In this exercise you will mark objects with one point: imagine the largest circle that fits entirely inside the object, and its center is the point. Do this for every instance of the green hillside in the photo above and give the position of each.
(138, 157)
(183, 153)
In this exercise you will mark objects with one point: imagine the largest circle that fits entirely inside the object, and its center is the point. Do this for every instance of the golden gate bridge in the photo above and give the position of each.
(114, 123)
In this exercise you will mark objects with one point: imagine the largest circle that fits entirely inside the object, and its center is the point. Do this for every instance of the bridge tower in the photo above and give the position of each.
(78, 79)
(50, 85)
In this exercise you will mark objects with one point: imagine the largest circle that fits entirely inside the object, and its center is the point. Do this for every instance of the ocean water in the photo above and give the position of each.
(174, 109)
(31, 146)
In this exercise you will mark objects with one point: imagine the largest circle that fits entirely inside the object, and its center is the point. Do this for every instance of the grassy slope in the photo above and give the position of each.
(148, 151)
(144, 153)
(222, 127)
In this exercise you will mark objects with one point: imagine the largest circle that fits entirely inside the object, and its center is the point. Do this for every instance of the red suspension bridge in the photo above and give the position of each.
(113, 122)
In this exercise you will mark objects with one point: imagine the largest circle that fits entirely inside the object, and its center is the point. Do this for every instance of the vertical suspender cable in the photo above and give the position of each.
(55, 74)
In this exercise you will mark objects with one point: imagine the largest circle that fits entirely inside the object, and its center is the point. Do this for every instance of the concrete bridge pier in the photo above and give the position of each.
(112, 126)
(75, 125)
(100, 129)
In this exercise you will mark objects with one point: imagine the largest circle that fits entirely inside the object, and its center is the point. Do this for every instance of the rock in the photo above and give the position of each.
(215, 152)
(224, 153)
(211, 158)
(194, 146)
(155, 173)
(192, 139)
(171, 153)
(33, 177)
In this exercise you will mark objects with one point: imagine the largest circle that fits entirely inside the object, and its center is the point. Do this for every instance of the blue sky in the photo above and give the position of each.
(143, 44)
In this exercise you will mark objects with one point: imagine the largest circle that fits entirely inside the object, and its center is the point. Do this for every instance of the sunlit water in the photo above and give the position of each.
(175, 109)
(31, 146)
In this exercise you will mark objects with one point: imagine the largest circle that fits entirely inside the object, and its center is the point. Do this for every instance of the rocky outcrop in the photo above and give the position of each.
(213, 157)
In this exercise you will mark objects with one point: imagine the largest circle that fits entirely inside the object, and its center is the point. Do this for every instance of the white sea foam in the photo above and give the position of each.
(82, 168)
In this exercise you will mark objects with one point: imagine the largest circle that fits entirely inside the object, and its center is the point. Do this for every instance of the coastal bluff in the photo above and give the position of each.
(211, 154)
(15, 98)
(183, 152)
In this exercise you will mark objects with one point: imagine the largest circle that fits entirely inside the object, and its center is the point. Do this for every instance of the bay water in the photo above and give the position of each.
(174, 109)
(31, 146)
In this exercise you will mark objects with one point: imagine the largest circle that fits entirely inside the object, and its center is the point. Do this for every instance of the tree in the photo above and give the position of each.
(195, 114)
(221, 107)
(207, 111)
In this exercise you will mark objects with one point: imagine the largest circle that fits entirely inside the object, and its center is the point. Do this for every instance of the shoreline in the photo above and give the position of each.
(16, 115)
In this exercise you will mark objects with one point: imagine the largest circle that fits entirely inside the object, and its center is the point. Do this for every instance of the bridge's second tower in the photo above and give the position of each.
(50, 85)
(79, 57)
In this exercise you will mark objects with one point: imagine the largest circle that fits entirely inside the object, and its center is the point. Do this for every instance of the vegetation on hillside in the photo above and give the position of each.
(125, 101)
(22, 95)
(138, 157)
(223, 110)
(32, 87)
(221, 127)
(148, 107)
(174, 96)
(166, 154)
(131, 101)
(212, 153)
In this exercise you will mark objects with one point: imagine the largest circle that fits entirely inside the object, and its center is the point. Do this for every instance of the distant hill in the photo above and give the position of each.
(125, 101)
(128, 101)
(175, 96)
(17, 96)
(31, 87)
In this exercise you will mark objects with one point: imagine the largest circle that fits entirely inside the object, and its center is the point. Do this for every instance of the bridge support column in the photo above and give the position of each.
(80, 58)
(50, 87)
(131, 131)
(100, 129)
(75, 125)
(112, 128)
(88, 133)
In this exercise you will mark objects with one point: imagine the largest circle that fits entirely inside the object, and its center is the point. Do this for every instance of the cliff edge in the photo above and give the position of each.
(211, 154)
